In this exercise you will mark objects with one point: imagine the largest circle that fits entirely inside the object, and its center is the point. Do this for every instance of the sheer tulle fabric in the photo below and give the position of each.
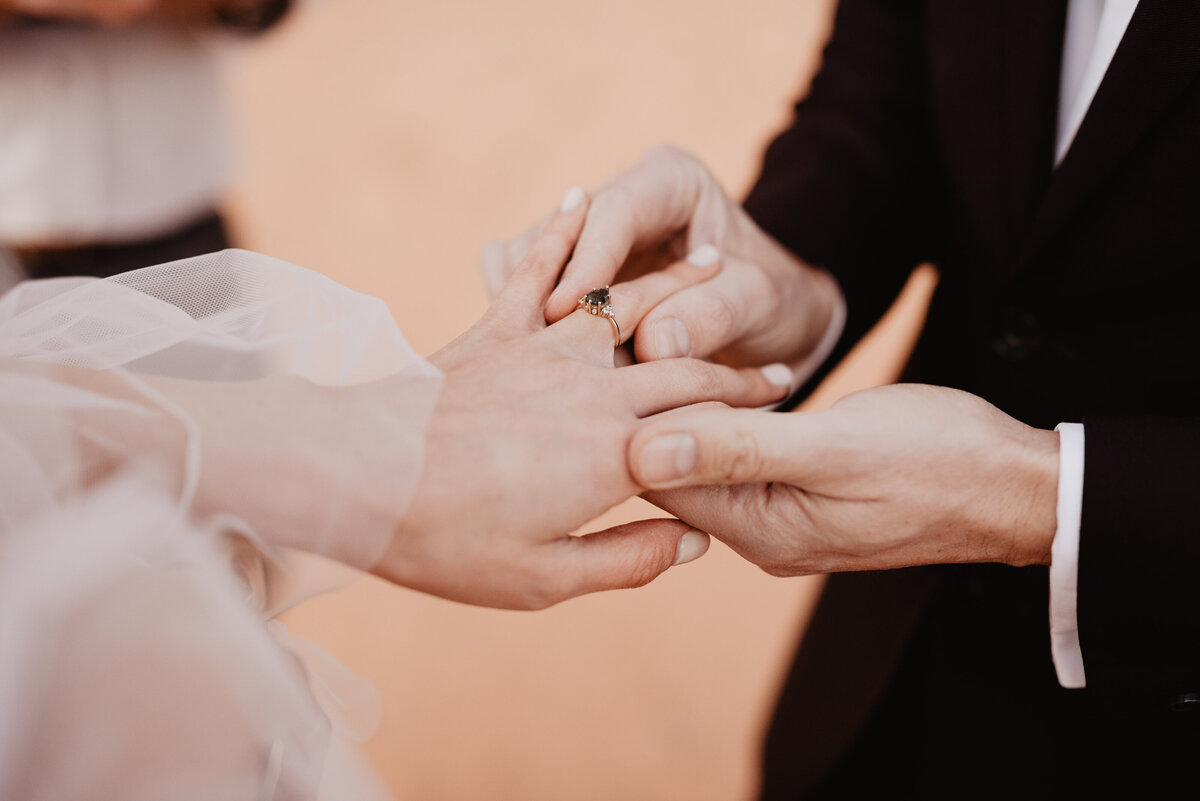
(135, 658)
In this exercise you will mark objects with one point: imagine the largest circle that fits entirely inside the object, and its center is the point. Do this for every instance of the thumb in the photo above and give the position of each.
(714, 444)
(626, 556)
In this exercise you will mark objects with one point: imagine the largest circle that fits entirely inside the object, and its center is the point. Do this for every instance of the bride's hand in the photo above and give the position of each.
(528, 441)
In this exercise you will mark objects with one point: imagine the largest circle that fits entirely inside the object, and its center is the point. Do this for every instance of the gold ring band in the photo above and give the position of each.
(598, 303)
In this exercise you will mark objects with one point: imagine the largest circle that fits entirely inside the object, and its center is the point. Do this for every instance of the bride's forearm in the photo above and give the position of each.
(322, 469)
(326, 470)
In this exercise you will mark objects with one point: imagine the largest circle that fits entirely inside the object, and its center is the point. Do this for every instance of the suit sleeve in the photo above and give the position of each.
(1139, 634)
(849, 185)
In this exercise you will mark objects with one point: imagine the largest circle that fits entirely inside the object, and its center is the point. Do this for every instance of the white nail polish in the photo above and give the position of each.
(779, 375)
(692, 545)
(703, 256)
(571, 199)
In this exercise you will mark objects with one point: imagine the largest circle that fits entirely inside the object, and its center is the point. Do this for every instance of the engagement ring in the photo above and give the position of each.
(599, 302)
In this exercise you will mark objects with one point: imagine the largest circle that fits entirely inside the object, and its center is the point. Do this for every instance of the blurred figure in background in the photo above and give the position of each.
(114, 144)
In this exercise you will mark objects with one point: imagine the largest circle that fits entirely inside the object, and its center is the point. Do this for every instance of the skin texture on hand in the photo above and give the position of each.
(528, 442)
(889, 477)
(525, 443)
(765, 306)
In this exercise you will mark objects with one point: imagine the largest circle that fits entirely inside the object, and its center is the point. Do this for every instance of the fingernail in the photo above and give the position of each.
(667, 458)
(779, 375)
(671, 339)
(692, 545)
(571, 199)
(703, 256)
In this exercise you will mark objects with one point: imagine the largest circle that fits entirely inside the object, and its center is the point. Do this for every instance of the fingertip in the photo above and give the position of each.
(699, 266)
(778, 375)
(703, 256)
(692, 545)
(668, 338)
(642, 343)
(662, 460)
(775, 383)
(572, 199)
(664, 332)
(715, 444)
(780, 383)
(546, 256)
(629, 555)
(764, 388)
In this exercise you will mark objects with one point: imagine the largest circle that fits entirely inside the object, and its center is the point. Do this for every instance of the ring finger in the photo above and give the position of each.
(629, 302)
(654, 387)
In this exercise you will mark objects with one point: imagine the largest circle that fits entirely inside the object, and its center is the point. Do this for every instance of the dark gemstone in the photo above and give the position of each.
(597, 297)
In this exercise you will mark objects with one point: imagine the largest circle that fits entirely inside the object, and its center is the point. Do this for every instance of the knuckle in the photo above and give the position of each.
(515, 250)
(547, 254)
(617, 218)
(710, 383)
(739, 459)
(543, 589)
(632, 298)
(553, 244)
(647, 566)
(721, 314)
(495, 250)
(663, 151)
(611, 204)
(621, 205)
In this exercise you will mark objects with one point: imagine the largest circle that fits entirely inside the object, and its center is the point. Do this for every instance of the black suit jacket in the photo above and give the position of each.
(1066, 294)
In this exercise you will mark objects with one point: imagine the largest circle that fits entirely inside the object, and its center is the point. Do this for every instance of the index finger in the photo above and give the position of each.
(648, 204)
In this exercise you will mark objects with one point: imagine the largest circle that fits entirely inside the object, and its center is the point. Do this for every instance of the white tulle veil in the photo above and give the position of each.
(135, 662)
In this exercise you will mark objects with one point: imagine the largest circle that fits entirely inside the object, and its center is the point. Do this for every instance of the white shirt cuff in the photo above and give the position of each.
(1064, 559)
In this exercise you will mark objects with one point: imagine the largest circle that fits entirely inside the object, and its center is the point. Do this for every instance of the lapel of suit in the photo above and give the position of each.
(997, 112)
(1157, 59)
(1033, 43)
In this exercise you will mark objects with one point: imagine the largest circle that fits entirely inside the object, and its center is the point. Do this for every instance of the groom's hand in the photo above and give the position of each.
(766, 305)
(889, 477)
(527, 441)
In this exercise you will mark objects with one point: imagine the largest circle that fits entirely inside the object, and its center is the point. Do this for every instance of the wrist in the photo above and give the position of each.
(1032, 510)
(808, 298)
(825, 309)
(337, 459)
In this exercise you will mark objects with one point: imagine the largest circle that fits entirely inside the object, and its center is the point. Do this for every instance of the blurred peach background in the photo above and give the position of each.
(383, 143)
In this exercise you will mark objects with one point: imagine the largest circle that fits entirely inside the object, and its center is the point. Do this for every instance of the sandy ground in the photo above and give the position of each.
(384, 142)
